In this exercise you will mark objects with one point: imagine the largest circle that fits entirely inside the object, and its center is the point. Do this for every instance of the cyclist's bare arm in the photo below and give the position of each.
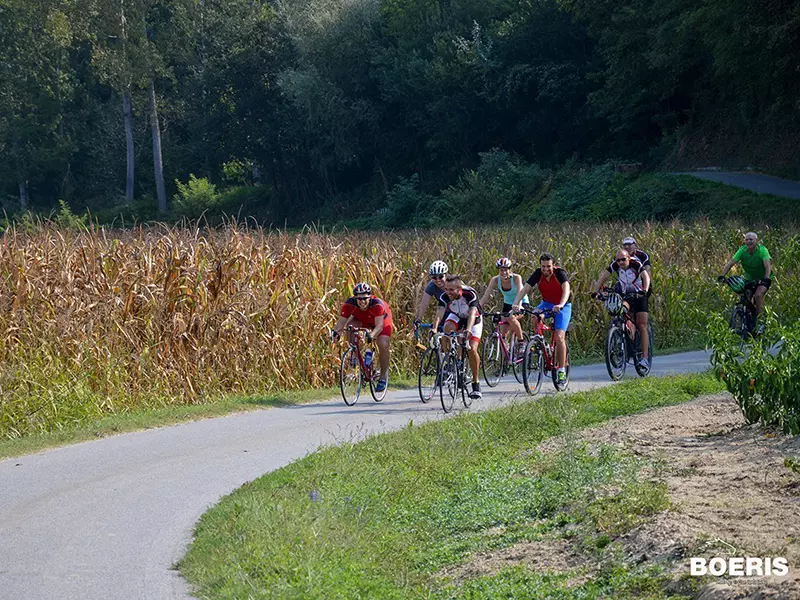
(728, 267)
(645, 280)
(423, 305)
(437, 318)
(565, 290)
(767, 268)
(601, 279)
(489, 289)
(526, 289)
(378, 327)
(342, 323)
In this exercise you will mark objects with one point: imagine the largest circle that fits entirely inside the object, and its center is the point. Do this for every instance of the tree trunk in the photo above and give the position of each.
(23, 195)
(158, 165)
(127, 111)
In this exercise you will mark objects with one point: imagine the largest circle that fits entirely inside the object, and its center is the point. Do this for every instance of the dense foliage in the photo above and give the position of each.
(763, 377)
(341, 107)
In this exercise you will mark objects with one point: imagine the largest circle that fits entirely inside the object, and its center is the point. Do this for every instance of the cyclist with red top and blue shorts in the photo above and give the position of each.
(367, 311)
(554, 286)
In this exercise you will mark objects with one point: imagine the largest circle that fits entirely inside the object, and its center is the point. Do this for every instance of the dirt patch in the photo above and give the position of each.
(732, 496)
(546, 555)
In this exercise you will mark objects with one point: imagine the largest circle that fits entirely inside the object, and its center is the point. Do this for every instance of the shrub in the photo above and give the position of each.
(501, 183)
(765, 379)
(195, 197)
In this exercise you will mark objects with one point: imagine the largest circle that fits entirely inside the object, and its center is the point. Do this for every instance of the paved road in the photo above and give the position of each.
(107, 519)
(764, 184)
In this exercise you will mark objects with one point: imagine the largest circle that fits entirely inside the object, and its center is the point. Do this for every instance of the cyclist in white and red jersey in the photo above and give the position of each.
(367, 311)
(632, 278)
(461, 310)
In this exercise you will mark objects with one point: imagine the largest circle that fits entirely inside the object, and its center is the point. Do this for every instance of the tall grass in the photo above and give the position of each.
(96, 321)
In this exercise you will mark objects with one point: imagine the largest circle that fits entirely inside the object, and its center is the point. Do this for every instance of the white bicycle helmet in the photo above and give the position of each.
(438, 267)
(614, 304)
(362, 288)
(503, 263)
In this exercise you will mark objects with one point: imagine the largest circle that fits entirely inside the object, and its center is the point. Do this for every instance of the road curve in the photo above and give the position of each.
(107, 519)
(763, 184)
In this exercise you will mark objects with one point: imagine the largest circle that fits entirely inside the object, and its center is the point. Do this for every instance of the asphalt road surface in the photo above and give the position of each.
(109, 518)
(763, 184)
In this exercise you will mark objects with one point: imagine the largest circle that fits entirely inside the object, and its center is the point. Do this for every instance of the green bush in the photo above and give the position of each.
(491, 193)
(195, 197)
(765, 377)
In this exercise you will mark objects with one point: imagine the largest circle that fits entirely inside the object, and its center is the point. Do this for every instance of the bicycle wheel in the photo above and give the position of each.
(375, 375)
(428, 370)
(448, 382)
(739, 324)
(560, 387)
(533, 365)
(493, 359)
(616, 359)
(518, 355)
(351, 379)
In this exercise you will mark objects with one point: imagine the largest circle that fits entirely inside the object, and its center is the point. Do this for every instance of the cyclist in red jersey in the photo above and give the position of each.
(365, 310)
(553, 284)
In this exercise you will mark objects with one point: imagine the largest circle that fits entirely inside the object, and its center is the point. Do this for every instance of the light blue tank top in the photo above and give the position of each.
(510, 295)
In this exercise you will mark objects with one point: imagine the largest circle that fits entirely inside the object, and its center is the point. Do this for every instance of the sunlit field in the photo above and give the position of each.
(99, 321)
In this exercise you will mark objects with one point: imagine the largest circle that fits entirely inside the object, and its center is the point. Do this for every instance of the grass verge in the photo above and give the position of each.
(125, 422)
(390, 517)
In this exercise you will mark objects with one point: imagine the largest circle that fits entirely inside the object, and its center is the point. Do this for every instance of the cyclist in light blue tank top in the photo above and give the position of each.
(509, 284)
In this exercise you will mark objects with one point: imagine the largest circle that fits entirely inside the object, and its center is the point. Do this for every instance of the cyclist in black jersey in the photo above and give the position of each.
(632, 278)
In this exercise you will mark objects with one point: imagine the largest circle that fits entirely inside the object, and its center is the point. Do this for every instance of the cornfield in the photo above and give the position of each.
(101, 321)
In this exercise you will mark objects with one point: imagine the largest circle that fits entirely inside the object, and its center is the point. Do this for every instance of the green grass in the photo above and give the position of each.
(123, 422)
(383, 517)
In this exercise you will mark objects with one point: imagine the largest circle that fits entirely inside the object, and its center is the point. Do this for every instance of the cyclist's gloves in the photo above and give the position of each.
(334, 335)
(368, 335)
(721, 278)
(594, 295)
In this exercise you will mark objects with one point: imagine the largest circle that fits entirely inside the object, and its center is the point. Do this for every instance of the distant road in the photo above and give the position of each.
(763, 184)
(107, 519)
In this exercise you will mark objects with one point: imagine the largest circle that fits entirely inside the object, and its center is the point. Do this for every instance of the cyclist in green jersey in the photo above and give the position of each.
(757, 267)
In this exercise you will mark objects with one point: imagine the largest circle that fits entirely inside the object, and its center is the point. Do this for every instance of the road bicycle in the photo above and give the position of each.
(743, 313)
(454, 371)
(429, 362)
(498, 355)
(540, 353)
(623, 342)
(354, 373)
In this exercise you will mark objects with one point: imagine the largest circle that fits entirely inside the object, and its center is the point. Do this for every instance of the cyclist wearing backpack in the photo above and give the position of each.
(553, 283)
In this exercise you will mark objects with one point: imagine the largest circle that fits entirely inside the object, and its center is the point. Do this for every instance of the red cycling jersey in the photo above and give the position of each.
(366, 318)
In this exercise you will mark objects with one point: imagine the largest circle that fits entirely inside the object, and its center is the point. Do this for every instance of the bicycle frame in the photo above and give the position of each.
(355, 342)
(497, 319)
(540, 329)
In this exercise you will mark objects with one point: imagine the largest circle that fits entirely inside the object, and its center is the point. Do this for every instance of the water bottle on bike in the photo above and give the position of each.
(368, 358)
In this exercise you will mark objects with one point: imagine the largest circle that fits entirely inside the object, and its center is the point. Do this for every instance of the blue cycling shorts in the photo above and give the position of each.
(563, 318)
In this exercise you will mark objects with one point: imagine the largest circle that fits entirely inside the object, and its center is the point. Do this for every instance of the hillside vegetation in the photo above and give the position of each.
(309, 109)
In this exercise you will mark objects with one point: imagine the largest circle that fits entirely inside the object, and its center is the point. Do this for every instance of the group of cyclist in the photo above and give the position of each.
(460, 309)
